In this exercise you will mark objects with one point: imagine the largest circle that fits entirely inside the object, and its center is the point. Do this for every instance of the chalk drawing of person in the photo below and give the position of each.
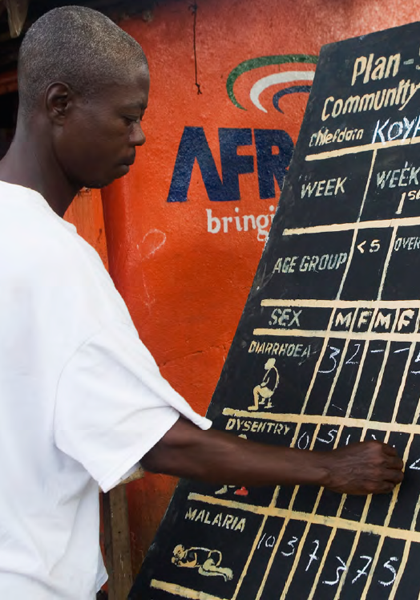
(242, 491)
(206, 561)
(264, 391)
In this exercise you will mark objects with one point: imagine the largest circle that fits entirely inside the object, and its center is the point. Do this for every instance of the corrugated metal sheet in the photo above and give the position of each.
(17, 15)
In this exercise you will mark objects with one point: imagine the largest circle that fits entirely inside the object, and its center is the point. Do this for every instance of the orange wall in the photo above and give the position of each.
(86, 213)
(186, 286)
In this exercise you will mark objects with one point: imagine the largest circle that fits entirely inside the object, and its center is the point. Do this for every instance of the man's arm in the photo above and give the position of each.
(222, 458)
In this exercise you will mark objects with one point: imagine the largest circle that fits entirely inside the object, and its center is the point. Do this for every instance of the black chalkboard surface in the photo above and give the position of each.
(327, 352)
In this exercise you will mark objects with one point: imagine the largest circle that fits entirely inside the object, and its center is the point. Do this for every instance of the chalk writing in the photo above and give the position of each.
(246, 425)
(390, 567)
(325, 136)
(285, 317)
(398, 177)
(375, 68)
(330, 187)
(278, 349)
(226, 521)
(269, 541)
(342, 567)
(364, 571)
(307, 264)
(292, 544)
(389, 131)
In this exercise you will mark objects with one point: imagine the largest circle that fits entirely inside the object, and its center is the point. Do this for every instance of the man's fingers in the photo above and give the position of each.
(394, 476)
(389, 450)
(385, 487)
(394, 462)
(379, 487)
(367, 468)
(388, 488)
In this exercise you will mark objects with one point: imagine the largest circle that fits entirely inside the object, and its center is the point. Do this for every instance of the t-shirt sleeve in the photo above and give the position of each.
(113, 405)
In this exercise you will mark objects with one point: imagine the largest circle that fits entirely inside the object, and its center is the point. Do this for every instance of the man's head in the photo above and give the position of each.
(270, 363)
(179, 554)
(83, 84)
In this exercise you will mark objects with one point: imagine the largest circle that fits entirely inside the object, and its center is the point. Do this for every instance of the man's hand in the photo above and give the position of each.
(221, 458)
(364, 468)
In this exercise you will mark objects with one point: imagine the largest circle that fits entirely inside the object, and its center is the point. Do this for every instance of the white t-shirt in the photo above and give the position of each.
(81, 401)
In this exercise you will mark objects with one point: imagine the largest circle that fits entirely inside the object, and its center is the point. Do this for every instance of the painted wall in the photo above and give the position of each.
(86, 213)
(186, 227)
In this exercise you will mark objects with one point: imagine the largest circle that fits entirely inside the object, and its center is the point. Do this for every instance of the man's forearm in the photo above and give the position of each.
(222, 458)
(218, 457)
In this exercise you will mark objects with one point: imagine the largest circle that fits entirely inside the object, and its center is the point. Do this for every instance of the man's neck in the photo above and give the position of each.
(34, 166)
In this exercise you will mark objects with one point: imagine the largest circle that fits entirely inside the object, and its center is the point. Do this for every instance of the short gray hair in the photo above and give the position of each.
(75, 45)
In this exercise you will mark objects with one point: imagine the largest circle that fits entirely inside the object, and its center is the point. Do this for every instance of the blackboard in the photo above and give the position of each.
(327, 352)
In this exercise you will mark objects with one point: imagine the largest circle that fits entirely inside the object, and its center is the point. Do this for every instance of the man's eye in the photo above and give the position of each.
(130, 120)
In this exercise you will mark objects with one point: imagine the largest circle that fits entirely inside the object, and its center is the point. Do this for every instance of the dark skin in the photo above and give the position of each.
(218, 457)
(72, 142)
(69, 142)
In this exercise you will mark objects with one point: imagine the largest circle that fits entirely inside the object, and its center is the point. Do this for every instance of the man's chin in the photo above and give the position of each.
(99, 184)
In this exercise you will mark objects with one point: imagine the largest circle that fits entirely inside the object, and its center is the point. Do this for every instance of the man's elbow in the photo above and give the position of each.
(173, 449)
(155, 460)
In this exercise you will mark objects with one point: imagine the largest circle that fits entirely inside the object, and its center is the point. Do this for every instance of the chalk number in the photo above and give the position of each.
(386, 574)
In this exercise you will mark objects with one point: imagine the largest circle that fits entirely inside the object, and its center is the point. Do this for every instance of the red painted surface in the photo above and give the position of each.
(186, 287)
(86, 214)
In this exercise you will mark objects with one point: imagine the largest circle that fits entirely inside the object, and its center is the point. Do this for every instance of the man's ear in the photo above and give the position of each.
(59, 99)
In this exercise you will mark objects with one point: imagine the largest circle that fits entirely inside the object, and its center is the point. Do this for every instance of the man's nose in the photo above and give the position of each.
(137, 137)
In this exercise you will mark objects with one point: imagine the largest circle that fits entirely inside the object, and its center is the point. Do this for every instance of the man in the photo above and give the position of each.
(81, 399)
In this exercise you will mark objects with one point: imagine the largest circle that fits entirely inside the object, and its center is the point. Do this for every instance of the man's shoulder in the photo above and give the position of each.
(50, 261)
(29, 228)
